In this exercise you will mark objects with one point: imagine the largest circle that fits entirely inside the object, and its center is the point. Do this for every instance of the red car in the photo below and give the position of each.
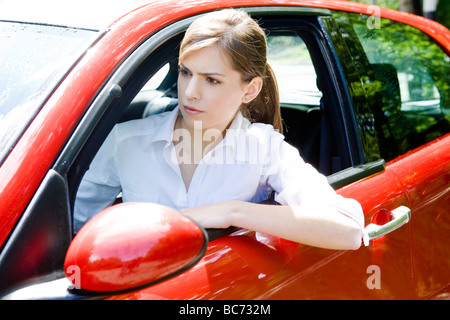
(365, 96)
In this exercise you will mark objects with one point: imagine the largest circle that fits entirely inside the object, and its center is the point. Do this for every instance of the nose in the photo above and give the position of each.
(192, 91)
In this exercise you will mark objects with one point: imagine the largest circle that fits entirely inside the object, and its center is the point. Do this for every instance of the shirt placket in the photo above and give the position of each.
(182, 198)
(200, 181)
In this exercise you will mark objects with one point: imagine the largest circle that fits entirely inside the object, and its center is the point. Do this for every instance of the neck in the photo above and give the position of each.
(196, 141)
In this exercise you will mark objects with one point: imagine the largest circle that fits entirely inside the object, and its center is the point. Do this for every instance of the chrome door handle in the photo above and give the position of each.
(401, 216)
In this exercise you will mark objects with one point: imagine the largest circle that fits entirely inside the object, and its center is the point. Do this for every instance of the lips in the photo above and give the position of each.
(192, 111)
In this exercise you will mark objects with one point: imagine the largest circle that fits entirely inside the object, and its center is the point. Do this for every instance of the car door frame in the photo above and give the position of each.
(377, 172)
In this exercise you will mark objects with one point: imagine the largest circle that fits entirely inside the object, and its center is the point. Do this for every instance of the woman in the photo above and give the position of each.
(220, 152)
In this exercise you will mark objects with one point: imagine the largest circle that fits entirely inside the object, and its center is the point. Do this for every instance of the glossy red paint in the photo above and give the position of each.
(125, 246)
(426, 179)
(273, 266)
(259, 266)
(28, 162)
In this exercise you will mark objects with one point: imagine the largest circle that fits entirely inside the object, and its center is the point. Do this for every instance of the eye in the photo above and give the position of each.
(212, 80)
(183, 72)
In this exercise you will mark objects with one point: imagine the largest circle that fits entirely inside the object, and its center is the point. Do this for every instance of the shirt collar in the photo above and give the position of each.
(236, 139)
(165, 132)
(233, 139)
(234, 130)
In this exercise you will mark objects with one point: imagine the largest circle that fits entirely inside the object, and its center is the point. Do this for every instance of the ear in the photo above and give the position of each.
(253, 89)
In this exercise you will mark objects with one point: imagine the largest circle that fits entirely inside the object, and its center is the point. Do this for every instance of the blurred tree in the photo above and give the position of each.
(443, 12)
(420, 7)
(429, 9)
(411, 6)
(399, 69)
(391, 4)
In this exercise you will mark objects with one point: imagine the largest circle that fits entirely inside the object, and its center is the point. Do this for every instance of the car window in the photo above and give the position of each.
(406, 79)
(300, 98)
(157, 79)
(290, 59)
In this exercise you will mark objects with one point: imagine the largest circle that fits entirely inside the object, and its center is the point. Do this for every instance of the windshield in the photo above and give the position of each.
(33, 60)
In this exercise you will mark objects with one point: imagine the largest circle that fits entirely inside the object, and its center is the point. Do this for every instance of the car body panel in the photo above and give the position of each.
(77, 90)
(249, 265)
(245, 264)
(425, 175)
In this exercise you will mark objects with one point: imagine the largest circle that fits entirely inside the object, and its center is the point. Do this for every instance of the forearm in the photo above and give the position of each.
(91, 199)
(319, 226)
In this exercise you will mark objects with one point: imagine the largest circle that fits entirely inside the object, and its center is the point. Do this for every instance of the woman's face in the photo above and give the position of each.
(210, 91)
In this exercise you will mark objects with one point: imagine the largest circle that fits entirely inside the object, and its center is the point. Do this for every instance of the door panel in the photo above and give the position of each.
(425, 174)
(348, 275)
(249, 265)
(390, 254)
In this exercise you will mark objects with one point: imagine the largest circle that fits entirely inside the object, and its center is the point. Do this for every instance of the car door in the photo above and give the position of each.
(411, 104)
(252, 265)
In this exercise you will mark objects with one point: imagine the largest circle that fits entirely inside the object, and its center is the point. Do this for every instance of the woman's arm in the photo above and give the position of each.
(316, 225)
(100, 185)
(90, 200)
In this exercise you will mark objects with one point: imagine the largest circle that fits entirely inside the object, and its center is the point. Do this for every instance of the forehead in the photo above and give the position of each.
(208, 59)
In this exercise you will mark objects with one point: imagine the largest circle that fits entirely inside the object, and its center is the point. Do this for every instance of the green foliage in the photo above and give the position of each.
(288, 50)
(391, 4)
(405, 78)
(442, 10)
(443, 13)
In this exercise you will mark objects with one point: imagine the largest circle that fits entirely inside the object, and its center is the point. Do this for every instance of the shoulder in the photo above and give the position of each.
(272, 143)
(263, 133)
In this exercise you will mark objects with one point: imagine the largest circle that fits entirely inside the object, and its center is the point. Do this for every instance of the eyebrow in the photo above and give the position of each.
(205, 74)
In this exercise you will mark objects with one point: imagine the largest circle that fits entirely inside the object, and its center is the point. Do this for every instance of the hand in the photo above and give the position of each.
(218, 215)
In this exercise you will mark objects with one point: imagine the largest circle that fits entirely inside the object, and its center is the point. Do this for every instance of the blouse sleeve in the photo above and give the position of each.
(298, 183)
(100, 185)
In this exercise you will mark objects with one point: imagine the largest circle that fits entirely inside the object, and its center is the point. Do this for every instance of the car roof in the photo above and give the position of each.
(101, 14)
(87, 14)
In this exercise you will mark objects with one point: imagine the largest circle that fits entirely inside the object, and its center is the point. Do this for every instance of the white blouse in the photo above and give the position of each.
(140, 160)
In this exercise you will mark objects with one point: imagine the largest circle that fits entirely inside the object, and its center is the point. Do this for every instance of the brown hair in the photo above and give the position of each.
(245, 43)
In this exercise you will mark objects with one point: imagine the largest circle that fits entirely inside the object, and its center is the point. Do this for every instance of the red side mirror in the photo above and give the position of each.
(131, 246)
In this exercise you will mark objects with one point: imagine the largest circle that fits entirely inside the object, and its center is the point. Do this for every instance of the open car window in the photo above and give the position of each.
(294, 54)
(290, 59)
(300, 98)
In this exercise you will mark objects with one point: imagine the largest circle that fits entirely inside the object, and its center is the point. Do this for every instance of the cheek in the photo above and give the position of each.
(230, 97)
(181, 85)
(226, 105)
